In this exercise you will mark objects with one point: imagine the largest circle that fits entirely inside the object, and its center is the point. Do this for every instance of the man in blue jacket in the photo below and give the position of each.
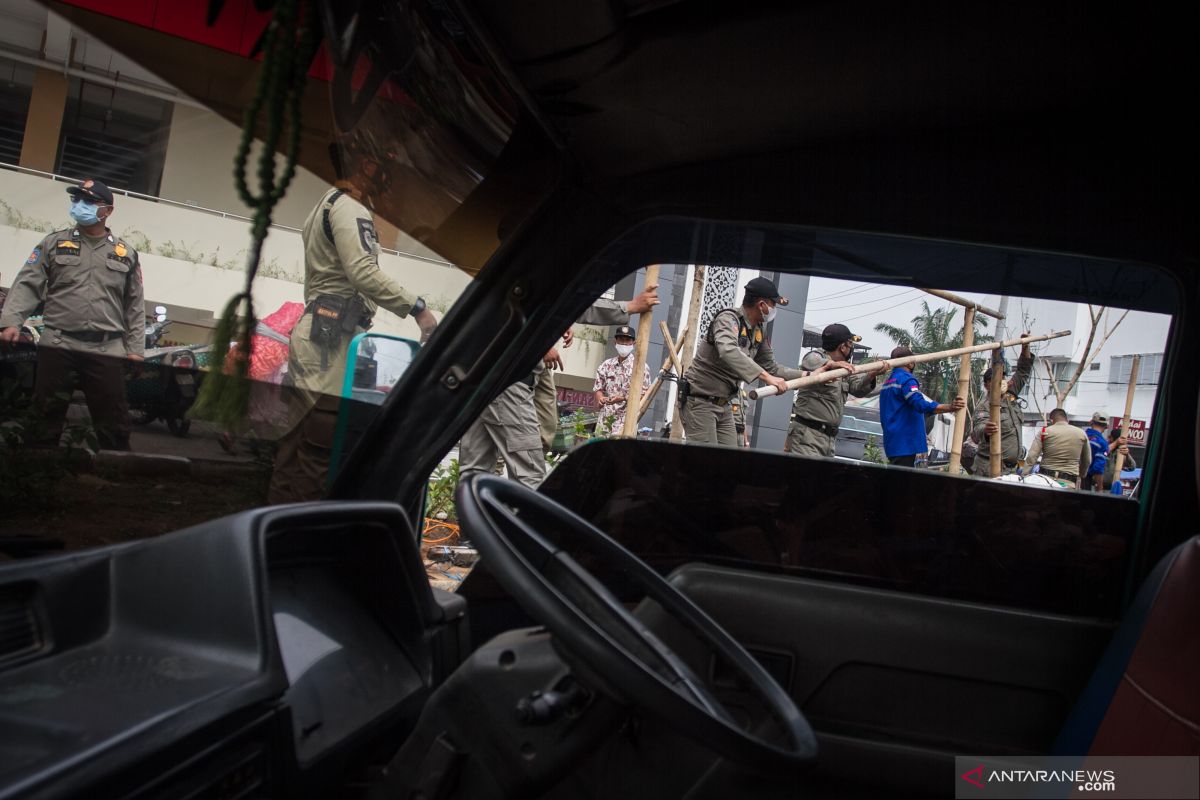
(902, 411)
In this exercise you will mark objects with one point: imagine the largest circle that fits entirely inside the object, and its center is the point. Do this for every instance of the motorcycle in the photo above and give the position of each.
(164, 385)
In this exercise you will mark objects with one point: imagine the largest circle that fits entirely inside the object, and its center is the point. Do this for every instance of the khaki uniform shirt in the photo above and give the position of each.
(349, 264)
(824, 402)
(605, 312)
(88, 285)
(738, 352)
(1063, 448)
(1010, 417)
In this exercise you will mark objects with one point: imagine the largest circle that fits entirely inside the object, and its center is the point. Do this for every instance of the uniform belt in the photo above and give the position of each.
(823, 427)
(716, 401)
(364, 321)
(1054, 473)
(94, 336)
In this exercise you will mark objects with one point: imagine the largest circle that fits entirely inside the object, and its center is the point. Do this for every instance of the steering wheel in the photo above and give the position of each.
(521, 536)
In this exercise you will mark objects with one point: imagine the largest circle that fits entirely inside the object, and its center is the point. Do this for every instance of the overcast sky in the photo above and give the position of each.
(861, 306)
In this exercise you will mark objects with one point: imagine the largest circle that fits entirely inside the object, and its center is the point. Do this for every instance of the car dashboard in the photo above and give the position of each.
(257, 655)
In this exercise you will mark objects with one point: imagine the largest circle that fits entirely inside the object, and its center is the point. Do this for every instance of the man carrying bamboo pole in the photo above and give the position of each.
(902, 411)
(1010, 413)
(735, 350)
(817, 410)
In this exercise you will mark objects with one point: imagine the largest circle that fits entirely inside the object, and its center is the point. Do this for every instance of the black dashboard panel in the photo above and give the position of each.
(136, 660)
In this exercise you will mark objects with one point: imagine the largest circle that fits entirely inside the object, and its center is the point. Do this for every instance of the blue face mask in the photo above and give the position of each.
(84, 213)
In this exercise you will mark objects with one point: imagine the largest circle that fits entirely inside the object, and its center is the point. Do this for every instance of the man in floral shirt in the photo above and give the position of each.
(612, 384)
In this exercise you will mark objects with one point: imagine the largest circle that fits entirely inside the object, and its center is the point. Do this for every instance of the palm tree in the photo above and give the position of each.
(934, 330)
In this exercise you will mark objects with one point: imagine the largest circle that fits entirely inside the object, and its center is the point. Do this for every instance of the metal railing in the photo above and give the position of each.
(204, 210)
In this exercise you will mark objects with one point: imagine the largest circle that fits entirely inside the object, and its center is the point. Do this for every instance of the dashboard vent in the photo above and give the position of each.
(19, 632)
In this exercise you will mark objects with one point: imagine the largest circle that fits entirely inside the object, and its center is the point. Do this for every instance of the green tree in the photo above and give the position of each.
(935, 329)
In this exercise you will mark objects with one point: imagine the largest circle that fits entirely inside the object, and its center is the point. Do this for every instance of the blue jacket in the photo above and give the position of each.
(902, 410)
(1099, 444)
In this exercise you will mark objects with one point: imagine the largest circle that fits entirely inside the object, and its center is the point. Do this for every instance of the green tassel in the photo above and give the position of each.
(225, 393)
(289, 46)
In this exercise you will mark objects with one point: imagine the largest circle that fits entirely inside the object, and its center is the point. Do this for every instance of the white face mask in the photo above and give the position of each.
(770, 314)
(624, 350)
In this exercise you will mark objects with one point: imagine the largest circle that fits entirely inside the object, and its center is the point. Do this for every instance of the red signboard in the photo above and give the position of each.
(1138, 431)
(575, 399)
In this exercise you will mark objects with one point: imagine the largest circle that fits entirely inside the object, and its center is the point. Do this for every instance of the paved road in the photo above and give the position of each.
(201, 443)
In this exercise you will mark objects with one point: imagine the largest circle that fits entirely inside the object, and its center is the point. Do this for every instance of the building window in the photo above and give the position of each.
(116, 135)
(1119, 369)
(1094, 366)
(16, 87)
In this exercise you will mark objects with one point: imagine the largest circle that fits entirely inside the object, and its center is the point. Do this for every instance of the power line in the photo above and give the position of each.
(881, 310)
(869, 302)
(844, 291)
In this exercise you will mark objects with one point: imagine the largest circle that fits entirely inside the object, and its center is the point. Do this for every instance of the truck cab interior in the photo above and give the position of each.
(657, 619)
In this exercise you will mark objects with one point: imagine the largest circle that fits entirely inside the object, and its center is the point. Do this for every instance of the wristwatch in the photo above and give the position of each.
(418, 306)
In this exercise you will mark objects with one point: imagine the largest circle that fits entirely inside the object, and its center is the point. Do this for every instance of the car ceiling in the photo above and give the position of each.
(1056, 126)
(642, 87)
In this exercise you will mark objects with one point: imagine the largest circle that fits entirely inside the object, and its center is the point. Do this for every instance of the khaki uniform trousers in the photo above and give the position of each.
(314, 399)
(546, 399)
(805, 441)
(99, 369)
(705, 422)
(507, 428)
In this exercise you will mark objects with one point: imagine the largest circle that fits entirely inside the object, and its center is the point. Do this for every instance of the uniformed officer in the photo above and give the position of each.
(602, 312)
(982, 427)
(343, 285)
(817, 410)
(509, 427)
(91, 284)
(1064, 450)
(734, 350)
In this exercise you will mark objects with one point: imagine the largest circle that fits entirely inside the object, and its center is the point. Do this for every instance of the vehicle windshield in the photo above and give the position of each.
(413, 161)
(126, 239)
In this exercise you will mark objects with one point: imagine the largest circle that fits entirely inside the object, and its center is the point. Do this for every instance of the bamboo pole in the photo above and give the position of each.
(689, 341)
(671, 347)
(1133, 376)
(964, 387)
(658, 381)
(965, 303)
(996, 440)
(878, 366)
(645, 320)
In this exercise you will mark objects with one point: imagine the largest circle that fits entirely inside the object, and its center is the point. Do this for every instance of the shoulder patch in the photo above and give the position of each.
(34, 256)
(120, 249)
(367, 235)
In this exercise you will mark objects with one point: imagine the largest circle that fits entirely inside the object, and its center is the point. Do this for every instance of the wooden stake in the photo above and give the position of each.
(964, 387)
(639, 358)
(658, 381)
(994, 393)
(671, 347)
(689, 340)
(964, 302)
(1133, 376)
(879, 366)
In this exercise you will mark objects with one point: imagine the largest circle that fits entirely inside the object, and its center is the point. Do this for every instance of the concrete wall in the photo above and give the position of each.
(195, 263)
(199, 168)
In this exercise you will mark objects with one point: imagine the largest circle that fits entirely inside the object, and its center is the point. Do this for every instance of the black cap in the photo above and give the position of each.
(625, 330)
(761, 287)
(835, 334)
(93, 191)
